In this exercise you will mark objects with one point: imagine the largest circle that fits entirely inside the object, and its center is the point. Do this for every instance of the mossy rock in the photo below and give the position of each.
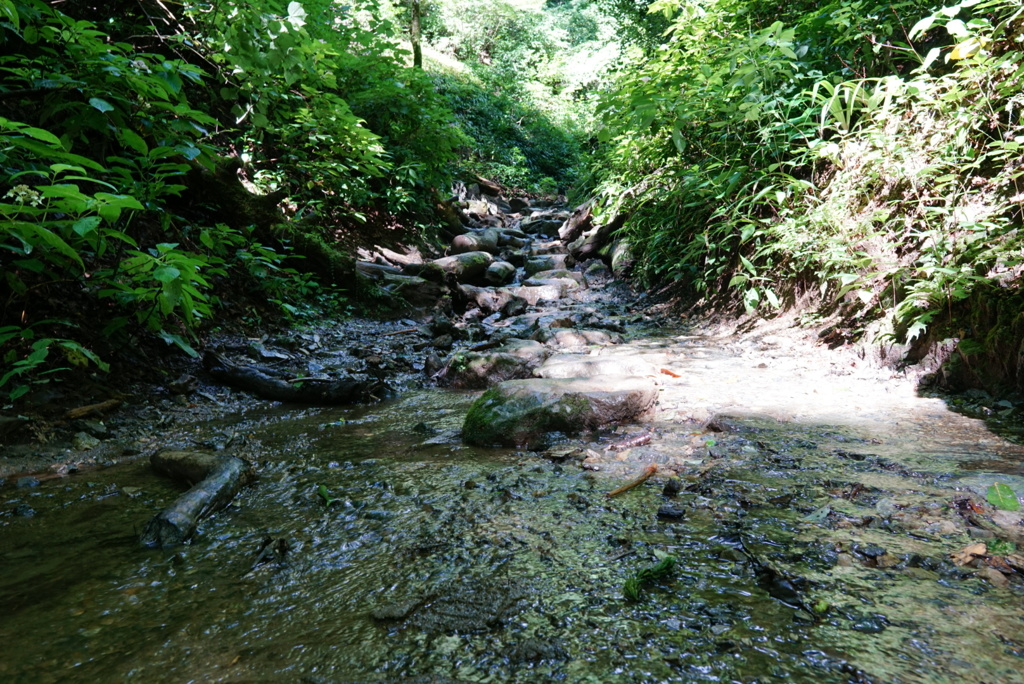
(477, 370)
(525, 413)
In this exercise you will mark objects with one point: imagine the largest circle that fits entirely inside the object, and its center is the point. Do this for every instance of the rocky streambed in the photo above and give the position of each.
(796, 514)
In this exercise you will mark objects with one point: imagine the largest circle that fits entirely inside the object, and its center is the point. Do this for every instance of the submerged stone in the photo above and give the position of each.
(524, 412)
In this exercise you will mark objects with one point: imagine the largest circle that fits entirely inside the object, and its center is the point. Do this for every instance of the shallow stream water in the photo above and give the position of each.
(811, 535)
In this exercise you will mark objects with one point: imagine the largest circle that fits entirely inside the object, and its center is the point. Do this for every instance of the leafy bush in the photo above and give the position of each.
(762, 152)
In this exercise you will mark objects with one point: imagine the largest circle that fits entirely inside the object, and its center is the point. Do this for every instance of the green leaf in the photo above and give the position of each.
(678, 141)
(40, 134)
(86, 225)
(9, 12)
(134, 141)
(101, 105)
(166, 274)
(1003, 497)
(48, 239)
(178, 341)
(325, 494)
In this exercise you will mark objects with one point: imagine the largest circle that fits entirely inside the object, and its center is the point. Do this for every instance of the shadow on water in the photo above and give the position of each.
(428, 557)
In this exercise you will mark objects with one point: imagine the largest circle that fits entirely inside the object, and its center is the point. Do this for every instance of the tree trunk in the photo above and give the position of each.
(416, 36)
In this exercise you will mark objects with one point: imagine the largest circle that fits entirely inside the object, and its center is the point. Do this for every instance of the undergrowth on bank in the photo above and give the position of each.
(866, 153)
(174, 163)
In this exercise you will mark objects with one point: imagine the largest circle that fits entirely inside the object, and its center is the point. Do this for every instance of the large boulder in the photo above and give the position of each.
(376, 271)
(547, 247)
(590, 244)
(525, 412)
(469, 267)
(415, 290)
(478, 208)
(510, 237)
(564, 285)
(477, 370)
(623, 259)
(561, 273)
(483, 241)
(541, 225)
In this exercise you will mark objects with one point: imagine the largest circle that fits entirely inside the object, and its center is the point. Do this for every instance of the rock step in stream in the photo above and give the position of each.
(513, 280)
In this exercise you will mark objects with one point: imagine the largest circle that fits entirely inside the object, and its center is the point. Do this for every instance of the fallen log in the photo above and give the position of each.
(297, 390)
(216, 479)
(83, 411)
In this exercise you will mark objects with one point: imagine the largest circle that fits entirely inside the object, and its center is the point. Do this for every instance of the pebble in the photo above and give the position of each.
(24, 511)
(27, 481)
(845, 560)
(886, 560)
(671, 511)
(997, 578)
(869, 625)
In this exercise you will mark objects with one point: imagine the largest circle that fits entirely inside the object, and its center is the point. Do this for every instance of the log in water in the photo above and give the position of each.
(218, 479)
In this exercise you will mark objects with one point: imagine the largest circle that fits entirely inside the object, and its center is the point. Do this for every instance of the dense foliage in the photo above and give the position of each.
(160, 161)
(148, 150)
(867, 153)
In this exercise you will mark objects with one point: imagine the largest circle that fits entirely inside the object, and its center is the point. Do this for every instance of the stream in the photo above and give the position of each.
(810, 505)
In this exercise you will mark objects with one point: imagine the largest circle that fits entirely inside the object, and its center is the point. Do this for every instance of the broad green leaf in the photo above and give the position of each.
(9, 12)
(86, 225)
(178, 341)
(1003, 497)
(101, 105)
(678, 141)
(53, 153)
(134, 141)
(166, 274)
(40, 134)
(63, 190)
(47, 238)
